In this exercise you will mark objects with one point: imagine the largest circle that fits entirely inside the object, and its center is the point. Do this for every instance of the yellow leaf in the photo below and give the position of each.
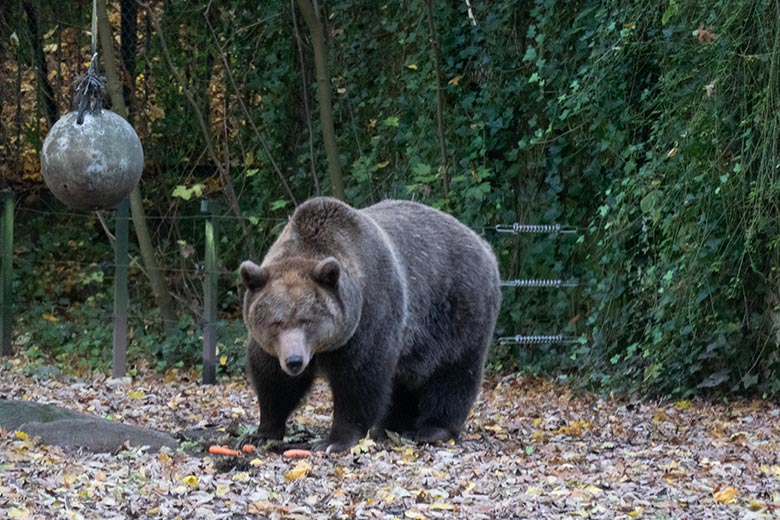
(21, 435)
(223, 360)
(537, 422)
(341, 90)
(191, 481)
(726, 495)
(659, 417)
(382, 165)
(136, 394)
(415, 515)
(412, 66)
(249, 159)
(301, 469)
(636, 513)
(18, 512)
(455, 80)
(593, 490)
(372, 123)
(50, 317)
(671, 153)
(683, 405)
(222, 490)
(363, 446)
(241, 476)
(441, 507)
(756, 505)
(770, 470)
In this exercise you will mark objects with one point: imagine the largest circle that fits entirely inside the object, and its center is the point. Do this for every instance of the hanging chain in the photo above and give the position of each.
(90, 87)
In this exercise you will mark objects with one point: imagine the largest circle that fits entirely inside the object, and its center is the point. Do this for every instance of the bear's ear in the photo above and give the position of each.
(253, 276)
(327, 272)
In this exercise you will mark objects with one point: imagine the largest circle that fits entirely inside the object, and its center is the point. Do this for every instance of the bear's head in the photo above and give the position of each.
(297, 307)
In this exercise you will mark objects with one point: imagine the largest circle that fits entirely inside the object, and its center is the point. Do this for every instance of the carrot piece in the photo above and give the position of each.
(248, 448)
(296, 454)
(223, 450)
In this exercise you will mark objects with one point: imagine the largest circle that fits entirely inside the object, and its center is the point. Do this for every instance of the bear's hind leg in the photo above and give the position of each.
(402, 415)
(277, 393)
(446, 398)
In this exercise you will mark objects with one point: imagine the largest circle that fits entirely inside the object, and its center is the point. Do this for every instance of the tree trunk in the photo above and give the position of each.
(159, 285)
(314, 24)
(45, 91)
(128, 38)
(435, 55)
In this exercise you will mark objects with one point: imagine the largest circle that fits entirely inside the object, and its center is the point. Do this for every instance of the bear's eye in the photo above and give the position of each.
(305, 323)
(276, 323)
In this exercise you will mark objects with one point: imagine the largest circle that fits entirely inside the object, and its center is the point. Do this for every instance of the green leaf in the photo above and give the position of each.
(278, 204)
(650, 201)
(185, 193)
(421, 169)
(392, 121)
(671, 10)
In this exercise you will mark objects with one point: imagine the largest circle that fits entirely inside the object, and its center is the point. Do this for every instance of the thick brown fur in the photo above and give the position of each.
(394, 304)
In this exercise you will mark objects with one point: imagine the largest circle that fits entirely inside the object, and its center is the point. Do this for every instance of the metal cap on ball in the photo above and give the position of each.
(91, 158)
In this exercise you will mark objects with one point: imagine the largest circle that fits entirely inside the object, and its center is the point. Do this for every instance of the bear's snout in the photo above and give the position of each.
(293, 353)
(294, 365)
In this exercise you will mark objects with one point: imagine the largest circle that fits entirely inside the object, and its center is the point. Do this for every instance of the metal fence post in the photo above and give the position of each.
(119, 355)
(6, 271)
(210, 296)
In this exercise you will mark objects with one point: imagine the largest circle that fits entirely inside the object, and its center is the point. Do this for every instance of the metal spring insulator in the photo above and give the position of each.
(538, 283)
(555, 229)
(537, 340)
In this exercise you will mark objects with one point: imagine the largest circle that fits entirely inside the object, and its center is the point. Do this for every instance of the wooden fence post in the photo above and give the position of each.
(119, 361)
(6, 271)
(210, 296)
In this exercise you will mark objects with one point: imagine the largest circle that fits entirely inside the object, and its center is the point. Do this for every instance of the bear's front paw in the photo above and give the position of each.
(337, 444)
(262, 437)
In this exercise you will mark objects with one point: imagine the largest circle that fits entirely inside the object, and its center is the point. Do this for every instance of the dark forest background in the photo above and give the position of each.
(652, 128)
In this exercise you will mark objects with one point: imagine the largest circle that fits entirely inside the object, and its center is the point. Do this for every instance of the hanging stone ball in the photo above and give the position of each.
(93, 165)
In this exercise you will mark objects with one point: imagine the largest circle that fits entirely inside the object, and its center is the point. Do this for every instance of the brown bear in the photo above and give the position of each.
(395, 305)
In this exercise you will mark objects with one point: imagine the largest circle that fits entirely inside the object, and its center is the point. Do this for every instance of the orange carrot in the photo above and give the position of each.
(296, 454)
(223, 450)
(248, 448)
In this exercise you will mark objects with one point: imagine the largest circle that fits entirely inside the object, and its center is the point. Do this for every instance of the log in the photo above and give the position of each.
(74, 430)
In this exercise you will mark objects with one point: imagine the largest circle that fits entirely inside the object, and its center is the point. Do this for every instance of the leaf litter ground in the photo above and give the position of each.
(532, 449)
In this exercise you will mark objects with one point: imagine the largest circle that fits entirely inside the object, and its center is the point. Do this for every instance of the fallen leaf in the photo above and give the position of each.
(191, 481)
(726, 495)
(301, 469)
(18, 512)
